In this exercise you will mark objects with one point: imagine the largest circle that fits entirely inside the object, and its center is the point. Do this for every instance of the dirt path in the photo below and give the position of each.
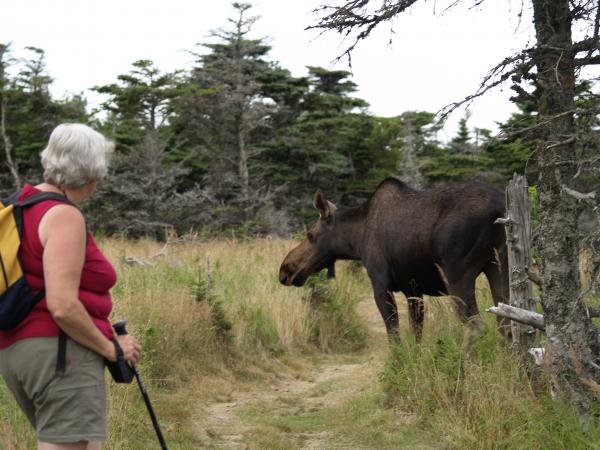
(330, 381)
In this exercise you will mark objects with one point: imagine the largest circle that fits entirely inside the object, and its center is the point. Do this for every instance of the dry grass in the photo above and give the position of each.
(208, 314)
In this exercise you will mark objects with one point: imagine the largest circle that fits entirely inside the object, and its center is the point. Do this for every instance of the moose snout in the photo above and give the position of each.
(284, 277)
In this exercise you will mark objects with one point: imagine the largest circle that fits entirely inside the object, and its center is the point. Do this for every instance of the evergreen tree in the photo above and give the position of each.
(461, 143)
(141, 195)
(29, 113)
(222, 110)
(139, 104)
(326, 143)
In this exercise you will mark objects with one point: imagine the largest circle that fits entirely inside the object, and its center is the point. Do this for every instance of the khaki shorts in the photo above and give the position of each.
(62, 410)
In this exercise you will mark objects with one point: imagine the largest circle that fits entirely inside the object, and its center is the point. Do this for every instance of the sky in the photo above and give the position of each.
(434, 58)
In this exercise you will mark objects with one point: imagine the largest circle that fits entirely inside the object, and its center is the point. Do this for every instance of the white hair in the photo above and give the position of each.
(75, 156)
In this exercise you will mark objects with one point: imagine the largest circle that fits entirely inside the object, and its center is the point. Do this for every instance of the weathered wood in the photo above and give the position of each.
(534, 276)
(133, 261)
(518, 230)
(520, 315)
(527, 317)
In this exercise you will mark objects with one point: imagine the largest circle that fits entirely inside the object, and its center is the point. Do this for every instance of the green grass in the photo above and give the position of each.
(472, 392)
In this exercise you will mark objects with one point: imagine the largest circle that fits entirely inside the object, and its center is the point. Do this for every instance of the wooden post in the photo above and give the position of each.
(518, 230)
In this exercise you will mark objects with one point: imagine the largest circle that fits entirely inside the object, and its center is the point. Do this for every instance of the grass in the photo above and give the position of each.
(213, 319)
(470, 391)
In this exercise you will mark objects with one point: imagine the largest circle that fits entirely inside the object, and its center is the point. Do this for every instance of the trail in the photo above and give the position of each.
(329, 381)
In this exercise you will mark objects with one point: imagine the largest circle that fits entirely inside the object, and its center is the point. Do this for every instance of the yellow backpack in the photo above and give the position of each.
(17, 299)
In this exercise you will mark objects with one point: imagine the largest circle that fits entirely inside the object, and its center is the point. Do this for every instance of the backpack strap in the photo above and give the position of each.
(12, 199)
(30, 201)
(41, 197)
(61, 357)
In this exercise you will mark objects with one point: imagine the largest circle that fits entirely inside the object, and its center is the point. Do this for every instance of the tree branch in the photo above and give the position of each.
(579, 195)
(521, 65)
(587, 61)
(534, 319)
(531, 318)
(344, 20)
(592, 43)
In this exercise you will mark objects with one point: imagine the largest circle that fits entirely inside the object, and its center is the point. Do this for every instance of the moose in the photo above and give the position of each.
(418, 242)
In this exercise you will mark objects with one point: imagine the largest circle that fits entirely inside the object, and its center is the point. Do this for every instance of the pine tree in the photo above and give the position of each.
(29, 113)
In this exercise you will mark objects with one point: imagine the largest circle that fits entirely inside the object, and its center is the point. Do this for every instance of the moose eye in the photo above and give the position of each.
(310, 236)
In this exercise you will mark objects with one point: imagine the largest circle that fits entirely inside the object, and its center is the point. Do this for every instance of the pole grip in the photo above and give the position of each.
(119, 327)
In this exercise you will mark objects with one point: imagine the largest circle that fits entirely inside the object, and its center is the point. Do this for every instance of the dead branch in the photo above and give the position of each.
(587, 61)
(586, 45)
(543, 123)
(133, 261)
(534, 276)
(578, 195)
(521, 63)
(531, 318)
(568, 141)
(526, 317)
(344, 20)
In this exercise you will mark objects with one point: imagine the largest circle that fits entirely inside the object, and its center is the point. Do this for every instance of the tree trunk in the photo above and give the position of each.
(572, 344)
(8, 145)
(243, 158)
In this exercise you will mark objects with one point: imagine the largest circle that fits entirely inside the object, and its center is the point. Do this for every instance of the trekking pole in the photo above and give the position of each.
(120, 329)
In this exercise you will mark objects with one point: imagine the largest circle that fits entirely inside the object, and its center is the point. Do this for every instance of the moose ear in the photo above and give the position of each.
(324, 206)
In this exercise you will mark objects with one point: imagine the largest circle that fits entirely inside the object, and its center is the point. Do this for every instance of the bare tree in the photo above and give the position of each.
(553, 64)
(8, 147)
(411, 172)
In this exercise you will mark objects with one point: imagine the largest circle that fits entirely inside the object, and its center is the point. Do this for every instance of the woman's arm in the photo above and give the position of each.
(63, 235)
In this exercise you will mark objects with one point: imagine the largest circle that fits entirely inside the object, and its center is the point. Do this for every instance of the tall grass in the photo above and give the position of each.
(469, 391)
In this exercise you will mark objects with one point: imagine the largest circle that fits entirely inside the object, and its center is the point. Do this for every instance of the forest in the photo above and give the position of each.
(237, 144)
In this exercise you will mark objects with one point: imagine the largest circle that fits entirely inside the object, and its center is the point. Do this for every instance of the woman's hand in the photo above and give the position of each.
(131, 349)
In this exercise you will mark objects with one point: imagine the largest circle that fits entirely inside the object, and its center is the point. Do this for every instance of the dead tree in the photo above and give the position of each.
(518, 231)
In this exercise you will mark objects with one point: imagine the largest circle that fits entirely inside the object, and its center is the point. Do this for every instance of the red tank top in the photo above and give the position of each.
(97, 277)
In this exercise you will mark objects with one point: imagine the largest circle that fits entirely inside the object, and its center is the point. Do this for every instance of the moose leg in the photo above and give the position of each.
(462, 292)
(416, 314)
(388, 309)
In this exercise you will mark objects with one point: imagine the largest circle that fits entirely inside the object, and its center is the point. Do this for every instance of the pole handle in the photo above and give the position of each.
(119, 327)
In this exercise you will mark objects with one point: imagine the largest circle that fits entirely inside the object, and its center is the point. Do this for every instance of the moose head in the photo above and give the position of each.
(317, 251)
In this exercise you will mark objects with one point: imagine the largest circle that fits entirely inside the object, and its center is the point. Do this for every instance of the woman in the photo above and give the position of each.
(67, 410)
